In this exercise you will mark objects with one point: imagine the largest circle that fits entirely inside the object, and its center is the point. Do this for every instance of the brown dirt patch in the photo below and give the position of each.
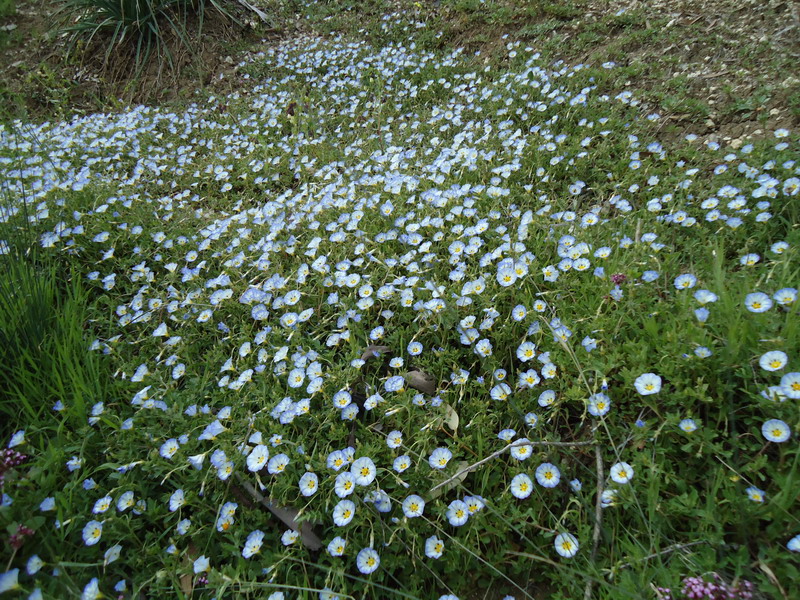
(42, 76)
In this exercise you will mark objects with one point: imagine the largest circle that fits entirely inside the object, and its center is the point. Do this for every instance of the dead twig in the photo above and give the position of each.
(259, 13)
(285, 515)
(666, 550)
(516, 444)
(598, 517)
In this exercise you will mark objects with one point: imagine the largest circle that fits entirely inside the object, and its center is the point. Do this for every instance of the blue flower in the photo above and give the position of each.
(757, 302)
(439, 458)
(685, 281)
(548, 475)
(457, 513)
(649, 276)
(368, 561)
(521, 486)
(434, 547)
(776, 431)
(648, 383)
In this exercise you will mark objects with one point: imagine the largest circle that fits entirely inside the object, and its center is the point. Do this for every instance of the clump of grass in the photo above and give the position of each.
(141, 25)
(43, 318)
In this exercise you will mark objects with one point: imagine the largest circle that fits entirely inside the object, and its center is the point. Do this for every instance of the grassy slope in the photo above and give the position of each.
(726, 70)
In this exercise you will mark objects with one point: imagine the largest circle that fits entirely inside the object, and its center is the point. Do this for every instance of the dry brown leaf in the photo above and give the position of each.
(422, 382)
(374, 351)
(450, 417)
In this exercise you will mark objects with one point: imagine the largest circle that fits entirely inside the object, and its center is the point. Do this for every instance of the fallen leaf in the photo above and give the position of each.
(771, 575)
(450, 417)
(422, 382)
(375, 352)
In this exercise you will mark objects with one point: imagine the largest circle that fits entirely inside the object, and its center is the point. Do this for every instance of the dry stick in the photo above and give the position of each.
(286, 515)
(598, 517)
(260, 13)
(499, 452)
(666, 550)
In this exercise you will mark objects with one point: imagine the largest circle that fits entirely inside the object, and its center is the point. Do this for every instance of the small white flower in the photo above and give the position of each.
(368, 561)
(34, 564)
(337, 546)
(257, 458)
(201, 564)
(401, 463)
(176, 500)
(17, 439)
(289, 537)
(92, 532)
(9, 581)
(548, 475)
(102, 505)
(521, 486)
(253, 543)
(413, 506)
(790, 385)
(622, 472)
(277, 464)
(309, 483)
(439, 458)
(363, 470)
(457, 513)
(344, 512)
(774, 360)
(112, 554)
(394, 439)
(434, 547)
(169, 448)
(648, 383)
(345, 484)
(566, 545)
(776, 431)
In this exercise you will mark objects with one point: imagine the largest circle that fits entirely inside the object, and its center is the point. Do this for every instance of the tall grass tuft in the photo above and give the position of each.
(138, 24)
(45, 357)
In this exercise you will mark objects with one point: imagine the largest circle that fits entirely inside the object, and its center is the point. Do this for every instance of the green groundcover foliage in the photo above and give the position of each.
(395, 323)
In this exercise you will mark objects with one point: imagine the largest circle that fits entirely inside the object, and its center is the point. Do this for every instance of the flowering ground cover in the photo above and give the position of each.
(390, 322)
